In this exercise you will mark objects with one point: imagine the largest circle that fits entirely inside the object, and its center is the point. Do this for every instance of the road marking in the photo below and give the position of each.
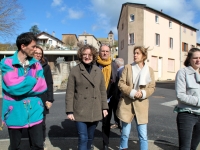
(59, 93)
(170, 104)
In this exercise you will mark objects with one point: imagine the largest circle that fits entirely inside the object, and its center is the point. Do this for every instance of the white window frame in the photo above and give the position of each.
(132, 19)
(171, 43)
(156, 18)
(85, 41)
(131, 38)
(50, 42)
(157, 39)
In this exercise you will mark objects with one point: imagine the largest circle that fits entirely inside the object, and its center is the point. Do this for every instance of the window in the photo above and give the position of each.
(184, 47)
(157, 39)
(157, 19)
(154, 63)
(170, 24)
(171, 43)
(191, 33)
(50, 42)
(122, 26)
(85, 42)
(184, 29)
(132, 17)
(192, 46)
(122, 44)
(171, 65)
(131, 38)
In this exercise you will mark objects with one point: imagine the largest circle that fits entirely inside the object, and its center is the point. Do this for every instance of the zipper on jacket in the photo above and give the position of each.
(26, 103)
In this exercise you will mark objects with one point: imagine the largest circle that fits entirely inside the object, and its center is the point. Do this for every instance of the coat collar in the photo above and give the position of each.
(90, 76)
(190, 71)
(16, 60)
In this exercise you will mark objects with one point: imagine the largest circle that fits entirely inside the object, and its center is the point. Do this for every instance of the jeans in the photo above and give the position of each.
(142, 135)
(86, 134)
(188, 130)
(35, 136)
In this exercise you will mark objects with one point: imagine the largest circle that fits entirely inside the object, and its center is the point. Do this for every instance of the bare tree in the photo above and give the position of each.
(80, 44)
(10, 15)
(70, 41)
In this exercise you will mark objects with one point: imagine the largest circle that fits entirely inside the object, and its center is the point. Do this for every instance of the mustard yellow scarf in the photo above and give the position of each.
(106, 69)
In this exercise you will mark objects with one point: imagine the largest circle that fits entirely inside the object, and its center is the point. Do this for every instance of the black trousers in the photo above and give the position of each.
(188, 130)
(36, 137)
(106, 120)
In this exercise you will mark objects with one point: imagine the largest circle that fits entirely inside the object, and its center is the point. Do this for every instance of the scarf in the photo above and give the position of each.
(106, 64)
(140, 76)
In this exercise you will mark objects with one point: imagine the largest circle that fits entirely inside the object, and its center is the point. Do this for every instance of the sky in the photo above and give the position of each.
(95, 17)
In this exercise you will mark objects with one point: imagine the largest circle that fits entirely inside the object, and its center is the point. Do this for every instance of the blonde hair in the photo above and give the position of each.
(143, 50)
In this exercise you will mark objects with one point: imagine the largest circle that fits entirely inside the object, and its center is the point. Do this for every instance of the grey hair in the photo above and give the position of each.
(119, 61)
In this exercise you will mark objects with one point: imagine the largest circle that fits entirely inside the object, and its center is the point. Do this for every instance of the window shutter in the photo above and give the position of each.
(182, 46)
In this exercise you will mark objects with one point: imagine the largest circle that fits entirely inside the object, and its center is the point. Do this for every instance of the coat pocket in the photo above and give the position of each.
(7, 113)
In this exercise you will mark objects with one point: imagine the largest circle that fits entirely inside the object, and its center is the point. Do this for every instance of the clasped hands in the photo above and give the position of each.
(138, 94)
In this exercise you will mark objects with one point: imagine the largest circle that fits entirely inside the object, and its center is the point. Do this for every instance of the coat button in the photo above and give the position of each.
(85, 97)
(86, 87)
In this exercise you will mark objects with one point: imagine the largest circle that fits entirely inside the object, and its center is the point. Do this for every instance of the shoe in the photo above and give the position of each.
(114, 126)
(105, 147)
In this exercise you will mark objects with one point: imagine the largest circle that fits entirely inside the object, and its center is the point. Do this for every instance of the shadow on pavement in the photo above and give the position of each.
(165, 145)
(68, 130)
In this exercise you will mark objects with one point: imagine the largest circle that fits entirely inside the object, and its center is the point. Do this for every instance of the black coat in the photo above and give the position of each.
(48, 95)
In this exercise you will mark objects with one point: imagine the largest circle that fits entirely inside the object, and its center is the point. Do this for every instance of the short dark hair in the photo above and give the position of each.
(190, 53)
(83, 48)
(25, 38)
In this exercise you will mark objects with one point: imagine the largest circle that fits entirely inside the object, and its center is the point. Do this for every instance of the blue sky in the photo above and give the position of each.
(95, 17)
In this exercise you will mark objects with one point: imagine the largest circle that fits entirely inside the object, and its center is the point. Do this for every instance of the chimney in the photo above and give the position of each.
(53, 33)
(161, 10)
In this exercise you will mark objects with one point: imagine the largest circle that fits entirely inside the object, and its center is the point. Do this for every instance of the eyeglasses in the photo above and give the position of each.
(89, 55)
(37, 53)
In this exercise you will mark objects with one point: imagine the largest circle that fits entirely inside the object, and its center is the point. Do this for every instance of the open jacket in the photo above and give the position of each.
(127, 107)
(22, 107)
(48, 95)
(86, 94)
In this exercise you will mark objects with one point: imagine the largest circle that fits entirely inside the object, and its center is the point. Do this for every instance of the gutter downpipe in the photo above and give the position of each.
(180, 47)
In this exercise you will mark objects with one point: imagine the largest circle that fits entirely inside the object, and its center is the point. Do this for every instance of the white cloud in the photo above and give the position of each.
(75, 14)
(56, 2)
(108, 11)
(48, 14)
(63, 8)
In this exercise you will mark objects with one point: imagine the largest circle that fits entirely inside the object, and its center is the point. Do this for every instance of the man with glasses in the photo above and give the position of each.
(23, 82)
(109, 70)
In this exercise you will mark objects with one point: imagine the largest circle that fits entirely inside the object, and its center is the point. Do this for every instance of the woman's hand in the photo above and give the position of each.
(138, 94)
(48, 104)
(105, 113)
(71, 117)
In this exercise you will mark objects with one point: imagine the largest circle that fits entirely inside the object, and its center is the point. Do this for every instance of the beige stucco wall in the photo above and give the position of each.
(163, 50)
(90, 40)
(123, 35)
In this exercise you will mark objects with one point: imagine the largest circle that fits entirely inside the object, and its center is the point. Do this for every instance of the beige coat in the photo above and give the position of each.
(127, 107)
(86, 94)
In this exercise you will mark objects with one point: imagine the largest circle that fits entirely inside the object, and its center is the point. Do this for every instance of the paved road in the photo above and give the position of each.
(161, 127)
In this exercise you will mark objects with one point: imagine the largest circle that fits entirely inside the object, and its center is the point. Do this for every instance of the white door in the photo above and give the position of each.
(159, 67)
